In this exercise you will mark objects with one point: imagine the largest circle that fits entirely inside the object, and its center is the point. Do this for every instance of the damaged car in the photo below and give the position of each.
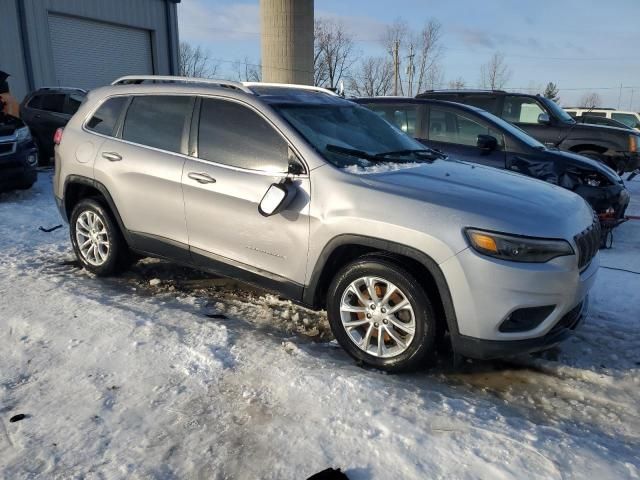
(18, 154)
(470, 134)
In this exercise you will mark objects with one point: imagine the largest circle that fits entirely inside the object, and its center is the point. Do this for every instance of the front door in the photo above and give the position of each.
(456, 134)
(237, 155)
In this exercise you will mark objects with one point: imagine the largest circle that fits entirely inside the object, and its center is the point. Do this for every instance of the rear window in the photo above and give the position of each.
(53, 102)
(106, 117)
(157, 121)
(74, 101)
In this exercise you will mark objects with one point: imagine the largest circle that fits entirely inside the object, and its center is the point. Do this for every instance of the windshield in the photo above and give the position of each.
(348, 135)
(513, 130)
(557, 111)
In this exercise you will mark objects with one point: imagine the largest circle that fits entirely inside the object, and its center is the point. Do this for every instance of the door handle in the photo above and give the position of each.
(201, 177)
(112, 156)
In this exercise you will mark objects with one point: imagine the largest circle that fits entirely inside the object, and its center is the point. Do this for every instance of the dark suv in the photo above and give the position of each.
(18, 154)
(470, 134)
(544, 120)
(47, 109)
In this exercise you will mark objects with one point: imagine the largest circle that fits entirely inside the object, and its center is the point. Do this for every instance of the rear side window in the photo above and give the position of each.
(106, 117)
(485, 102)
(235, 135)
(157, 121)
(53, 102)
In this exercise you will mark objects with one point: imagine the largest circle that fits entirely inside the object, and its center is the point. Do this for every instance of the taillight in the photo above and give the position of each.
(57, 137)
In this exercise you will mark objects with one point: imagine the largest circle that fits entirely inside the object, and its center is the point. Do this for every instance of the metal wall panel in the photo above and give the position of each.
(89, 54)
(11, 53)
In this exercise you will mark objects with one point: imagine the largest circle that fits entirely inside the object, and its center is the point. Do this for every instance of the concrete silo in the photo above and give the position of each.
(287, 41)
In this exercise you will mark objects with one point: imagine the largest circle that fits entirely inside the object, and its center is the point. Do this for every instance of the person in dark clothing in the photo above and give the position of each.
(8, 104)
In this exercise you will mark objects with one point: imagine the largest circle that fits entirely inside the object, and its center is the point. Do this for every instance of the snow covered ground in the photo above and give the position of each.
(169, 373)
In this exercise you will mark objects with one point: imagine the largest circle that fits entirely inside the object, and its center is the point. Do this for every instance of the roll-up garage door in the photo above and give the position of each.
(89, 54)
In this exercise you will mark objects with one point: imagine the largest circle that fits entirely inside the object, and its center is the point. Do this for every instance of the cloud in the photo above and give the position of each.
(203, 22)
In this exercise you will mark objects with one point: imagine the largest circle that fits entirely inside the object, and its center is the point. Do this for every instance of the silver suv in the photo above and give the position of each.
(302, 192)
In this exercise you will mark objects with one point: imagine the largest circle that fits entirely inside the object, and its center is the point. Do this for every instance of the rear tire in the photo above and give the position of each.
(97, 240)
(395, 328)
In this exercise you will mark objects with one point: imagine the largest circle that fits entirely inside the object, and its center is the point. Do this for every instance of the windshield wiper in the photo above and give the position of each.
(352, 152)
(425, 153)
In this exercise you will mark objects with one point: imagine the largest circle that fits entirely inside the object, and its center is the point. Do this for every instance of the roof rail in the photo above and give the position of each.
(75, 89)
(137, 79)
(466, 90)
(291, 85)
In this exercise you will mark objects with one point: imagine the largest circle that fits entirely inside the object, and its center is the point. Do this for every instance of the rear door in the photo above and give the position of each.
(236, 156)
(142, 169)
(456, 134)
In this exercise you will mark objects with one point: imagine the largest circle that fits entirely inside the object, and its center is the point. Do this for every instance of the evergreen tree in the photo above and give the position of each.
(551, 92)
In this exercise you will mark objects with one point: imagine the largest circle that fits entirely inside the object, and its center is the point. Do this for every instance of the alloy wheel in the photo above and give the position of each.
(92, 238)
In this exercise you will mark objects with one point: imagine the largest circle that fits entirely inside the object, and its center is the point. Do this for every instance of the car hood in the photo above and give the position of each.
(490, 198)
(582, 162)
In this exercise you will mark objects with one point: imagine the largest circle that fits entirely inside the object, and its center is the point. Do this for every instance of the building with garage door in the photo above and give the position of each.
(85, 43)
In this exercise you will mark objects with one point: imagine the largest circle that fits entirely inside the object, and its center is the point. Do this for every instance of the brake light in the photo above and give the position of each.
(57, 137)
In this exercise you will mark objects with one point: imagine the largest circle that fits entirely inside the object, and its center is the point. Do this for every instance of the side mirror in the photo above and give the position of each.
(544, 119)
(487, 143)
(277, 198)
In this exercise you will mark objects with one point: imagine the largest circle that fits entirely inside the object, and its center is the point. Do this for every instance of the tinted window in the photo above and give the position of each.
(157, 121)
(235, 135)
(485, 102)
(106, 117)
(594, 114)
(53, 102)
(35, 102)
(627, 119)
(450, 127)
(521, 110)
(73, 103)
(402, 117)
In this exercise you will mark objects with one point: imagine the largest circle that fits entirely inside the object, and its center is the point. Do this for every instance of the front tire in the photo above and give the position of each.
(381, 315)
(96, 239)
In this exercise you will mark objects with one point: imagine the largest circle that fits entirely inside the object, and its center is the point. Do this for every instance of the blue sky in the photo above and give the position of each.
(581, 45)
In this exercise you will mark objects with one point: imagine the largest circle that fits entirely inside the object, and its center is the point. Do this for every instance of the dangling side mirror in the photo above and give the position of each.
(278, 197)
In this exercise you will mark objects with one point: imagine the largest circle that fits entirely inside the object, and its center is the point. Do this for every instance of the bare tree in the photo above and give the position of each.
(395, 37)
(245, 71)
(333, 52)
(495, 73)
(429, 72)
(590, 100)
(195, 62)
(457, 84)
(419, 55)
(372, 78)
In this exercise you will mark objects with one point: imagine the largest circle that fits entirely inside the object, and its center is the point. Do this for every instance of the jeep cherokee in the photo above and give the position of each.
(304, 193)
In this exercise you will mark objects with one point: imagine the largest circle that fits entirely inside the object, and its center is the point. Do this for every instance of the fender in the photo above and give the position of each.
(90, 182)
(310, 290)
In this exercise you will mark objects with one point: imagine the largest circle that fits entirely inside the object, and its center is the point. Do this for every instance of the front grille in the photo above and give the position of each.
(588, 243)
(7, 148)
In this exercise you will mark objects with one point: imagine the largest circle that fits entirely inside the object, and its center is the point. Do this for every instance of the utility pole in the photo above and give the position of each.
(619, 96)
(396, 66)
(410, 68)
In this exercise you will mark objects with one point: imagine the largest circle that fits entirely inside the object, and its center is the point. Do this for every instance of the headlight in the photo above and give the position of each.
(23, 134)
(515, 248)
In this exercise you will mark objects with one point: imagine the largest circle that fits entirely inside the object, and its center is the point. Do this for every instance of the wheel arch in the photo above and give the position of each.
(78, 187)
(346, 248)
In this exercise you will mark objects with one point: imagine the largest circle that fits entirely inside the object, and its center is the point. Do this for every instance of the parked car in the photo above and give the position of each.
(544, 120)
(630, 119)
(302, 192)
(595, 120)
(18, 154)
(471, 134)
(47, 109)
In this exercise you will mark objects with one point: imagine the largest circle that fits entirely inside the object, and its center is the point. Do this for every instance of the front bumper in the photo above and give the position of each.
(486, 292)
(490, 349)
(15, 170)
